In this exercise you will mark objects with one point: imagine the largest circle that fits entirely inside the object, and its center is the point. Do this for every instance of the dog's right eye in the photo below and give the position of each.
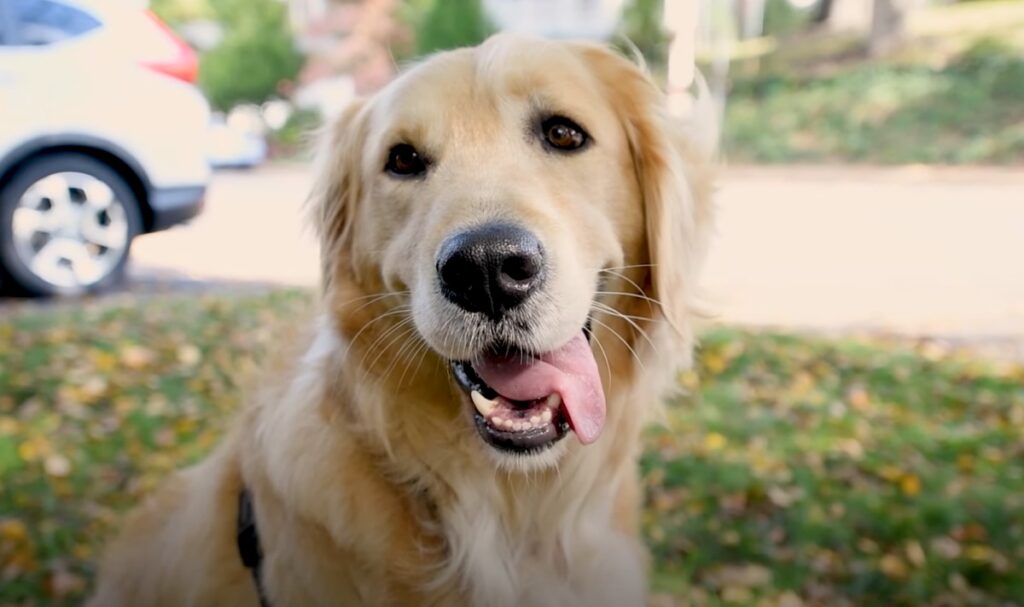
(405, 161)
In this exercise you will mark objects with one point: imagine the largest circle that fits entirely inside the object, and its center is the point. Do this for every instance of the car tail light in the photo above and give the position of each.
(176, 59)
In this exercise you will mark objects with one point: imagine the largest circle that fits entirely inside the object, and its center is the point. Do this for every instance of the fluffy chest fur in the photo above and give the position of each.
(429, 521)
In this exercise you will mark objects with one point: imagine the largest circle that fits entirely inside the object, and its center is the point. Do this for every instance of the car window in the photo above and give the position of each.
(43, 22)
(6, 23)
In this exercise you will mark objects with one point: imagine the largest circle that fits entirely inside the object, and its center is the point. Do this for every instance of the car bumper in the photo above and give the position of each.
(171, 206)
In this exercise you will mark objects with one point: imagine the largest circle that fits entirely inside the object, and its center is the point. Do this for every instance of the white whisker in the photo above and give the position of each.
(627, 279)
(389, 313)
(623, 340)
(407, 330)
(607, 363)
(612, 311)
(405, 322)
(623, 294)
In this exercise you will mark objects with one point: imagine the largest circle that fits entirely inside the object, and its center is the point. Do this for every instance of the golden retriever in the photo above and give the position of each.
(510, 236)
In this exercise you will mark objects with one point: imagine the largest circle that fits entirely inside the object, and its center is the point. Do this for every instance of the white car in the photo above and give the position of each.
(102, 138)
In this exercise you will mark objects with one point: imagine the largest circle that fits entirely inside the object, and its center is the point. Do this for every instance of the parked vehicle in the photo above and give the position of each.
(234, 147)
(102, 138)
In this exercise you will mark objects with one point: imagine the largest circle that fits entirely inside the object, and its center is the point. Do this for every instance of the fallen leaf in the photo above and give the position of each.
(57, 465)
(893, 566)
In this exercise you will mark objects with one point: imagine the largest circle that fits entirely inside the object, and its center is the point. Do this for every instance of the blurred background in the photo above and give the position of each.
(853, 431)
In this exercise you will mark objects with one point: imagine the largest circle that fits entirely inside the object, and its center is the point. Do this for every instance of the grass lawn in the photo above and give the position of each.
(953, 94)
(798, 471)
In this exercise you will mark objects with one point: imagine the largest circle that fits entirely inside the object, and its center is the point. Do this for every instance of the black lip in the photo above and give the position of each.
(468, 380)
(519, 443)
(522, 443)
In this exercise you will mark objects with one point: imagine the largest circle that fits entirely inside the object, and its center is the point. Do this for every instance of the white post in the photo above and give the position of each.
(680, 18)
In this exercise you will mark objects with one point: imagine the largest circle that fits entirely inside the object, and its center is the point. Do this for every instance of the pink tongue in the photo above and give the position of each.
(571, 371)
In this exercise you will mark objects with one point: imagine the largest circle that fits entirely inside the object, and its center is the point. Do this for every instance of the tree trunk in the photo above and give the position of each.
(847, 15)
(887, 25)
(822, 13)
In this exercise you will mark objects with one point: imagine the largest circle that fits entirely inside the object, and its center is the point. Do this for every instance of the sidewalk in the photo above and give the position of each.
(909, 250)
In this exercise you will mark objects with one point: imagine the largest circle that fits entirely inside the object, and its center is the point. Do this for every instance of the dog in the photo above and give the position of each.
(510, 237)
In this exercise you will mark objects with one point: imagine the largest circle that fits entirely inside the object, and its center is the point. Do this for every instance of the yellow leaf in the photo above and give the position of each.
(910, 484)
(714, 361)
(713, 441)
(979, 552)
(802, 385)
(890, 473)
(33, 449)
(104, 361)
(13, 530)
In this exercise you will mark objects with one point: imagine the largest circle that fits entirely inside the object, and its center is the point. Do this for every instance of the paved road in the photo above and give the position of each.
(910, 250)
(252, 230)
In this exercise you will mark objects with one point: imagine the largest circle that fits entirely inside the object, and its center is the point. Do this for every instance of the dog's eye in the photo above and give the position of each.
(405, 161)
(564, 134)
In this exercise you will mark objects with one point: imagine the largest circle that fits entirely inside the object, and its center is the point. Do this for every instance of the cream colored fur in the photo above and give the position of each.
(370, 485)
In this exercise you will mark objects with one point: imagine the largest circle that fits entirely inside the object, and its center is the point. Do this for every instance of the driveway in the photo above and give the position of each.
(908, 250)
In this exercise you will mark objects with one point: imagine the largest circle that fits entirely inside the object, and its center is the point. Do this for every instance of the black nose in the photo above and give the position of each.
(491, 268)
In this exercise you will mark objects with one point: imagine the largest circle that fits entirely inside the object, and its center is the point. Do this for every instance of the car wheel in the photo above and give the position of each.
(66, 225)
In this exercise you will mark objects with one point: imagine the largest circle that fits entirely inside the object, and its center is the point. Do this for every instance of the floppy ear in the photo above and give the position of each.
(674, 176)
(336, 190)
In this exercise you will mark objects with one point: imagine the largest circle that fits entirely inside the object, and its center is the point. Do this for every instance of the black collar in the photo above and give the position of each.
(248, 539)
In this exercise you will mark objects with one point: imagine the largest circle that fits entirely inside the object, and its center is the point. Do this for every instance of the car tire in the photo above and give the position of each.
(104, 264)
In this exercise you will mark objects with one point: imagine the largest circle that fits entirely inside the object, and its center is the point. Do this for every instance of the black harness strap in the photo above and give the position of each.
(248, 540)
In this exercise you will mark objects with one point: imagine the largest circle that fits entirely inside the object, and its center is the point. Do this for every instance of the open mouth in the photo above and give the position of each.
(511, 425)
(526, 403)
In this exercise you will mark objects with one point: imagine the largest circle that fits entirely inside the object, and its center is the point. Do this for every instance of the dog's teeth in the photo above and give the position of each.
(554, 400)
(534, 420)
(484, 405)
(546, 416)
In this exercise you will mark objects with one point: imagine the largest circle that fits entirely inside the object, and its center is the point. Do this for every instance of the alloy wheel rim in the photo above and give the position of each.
(70, 230)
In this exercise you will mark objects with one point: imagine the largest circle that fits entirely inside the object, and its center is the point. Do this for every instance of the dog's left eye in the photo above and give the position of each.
(564, 134)
(405, 161)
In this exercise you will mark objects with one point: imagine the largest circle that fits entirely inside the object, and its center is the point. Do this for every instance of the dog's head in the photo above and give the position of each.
(500, 208)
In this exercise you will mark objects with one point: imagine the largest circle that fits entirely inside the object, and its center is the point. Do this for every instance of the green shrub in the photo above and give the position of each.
(998, 65)
(642, 26)
(296, 133)
(256, 55)
(180, 11)
(447, 24)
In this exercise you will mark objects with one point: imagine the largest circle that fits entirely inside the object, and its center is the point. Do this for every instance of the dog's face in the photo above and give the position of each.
(497, 191)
